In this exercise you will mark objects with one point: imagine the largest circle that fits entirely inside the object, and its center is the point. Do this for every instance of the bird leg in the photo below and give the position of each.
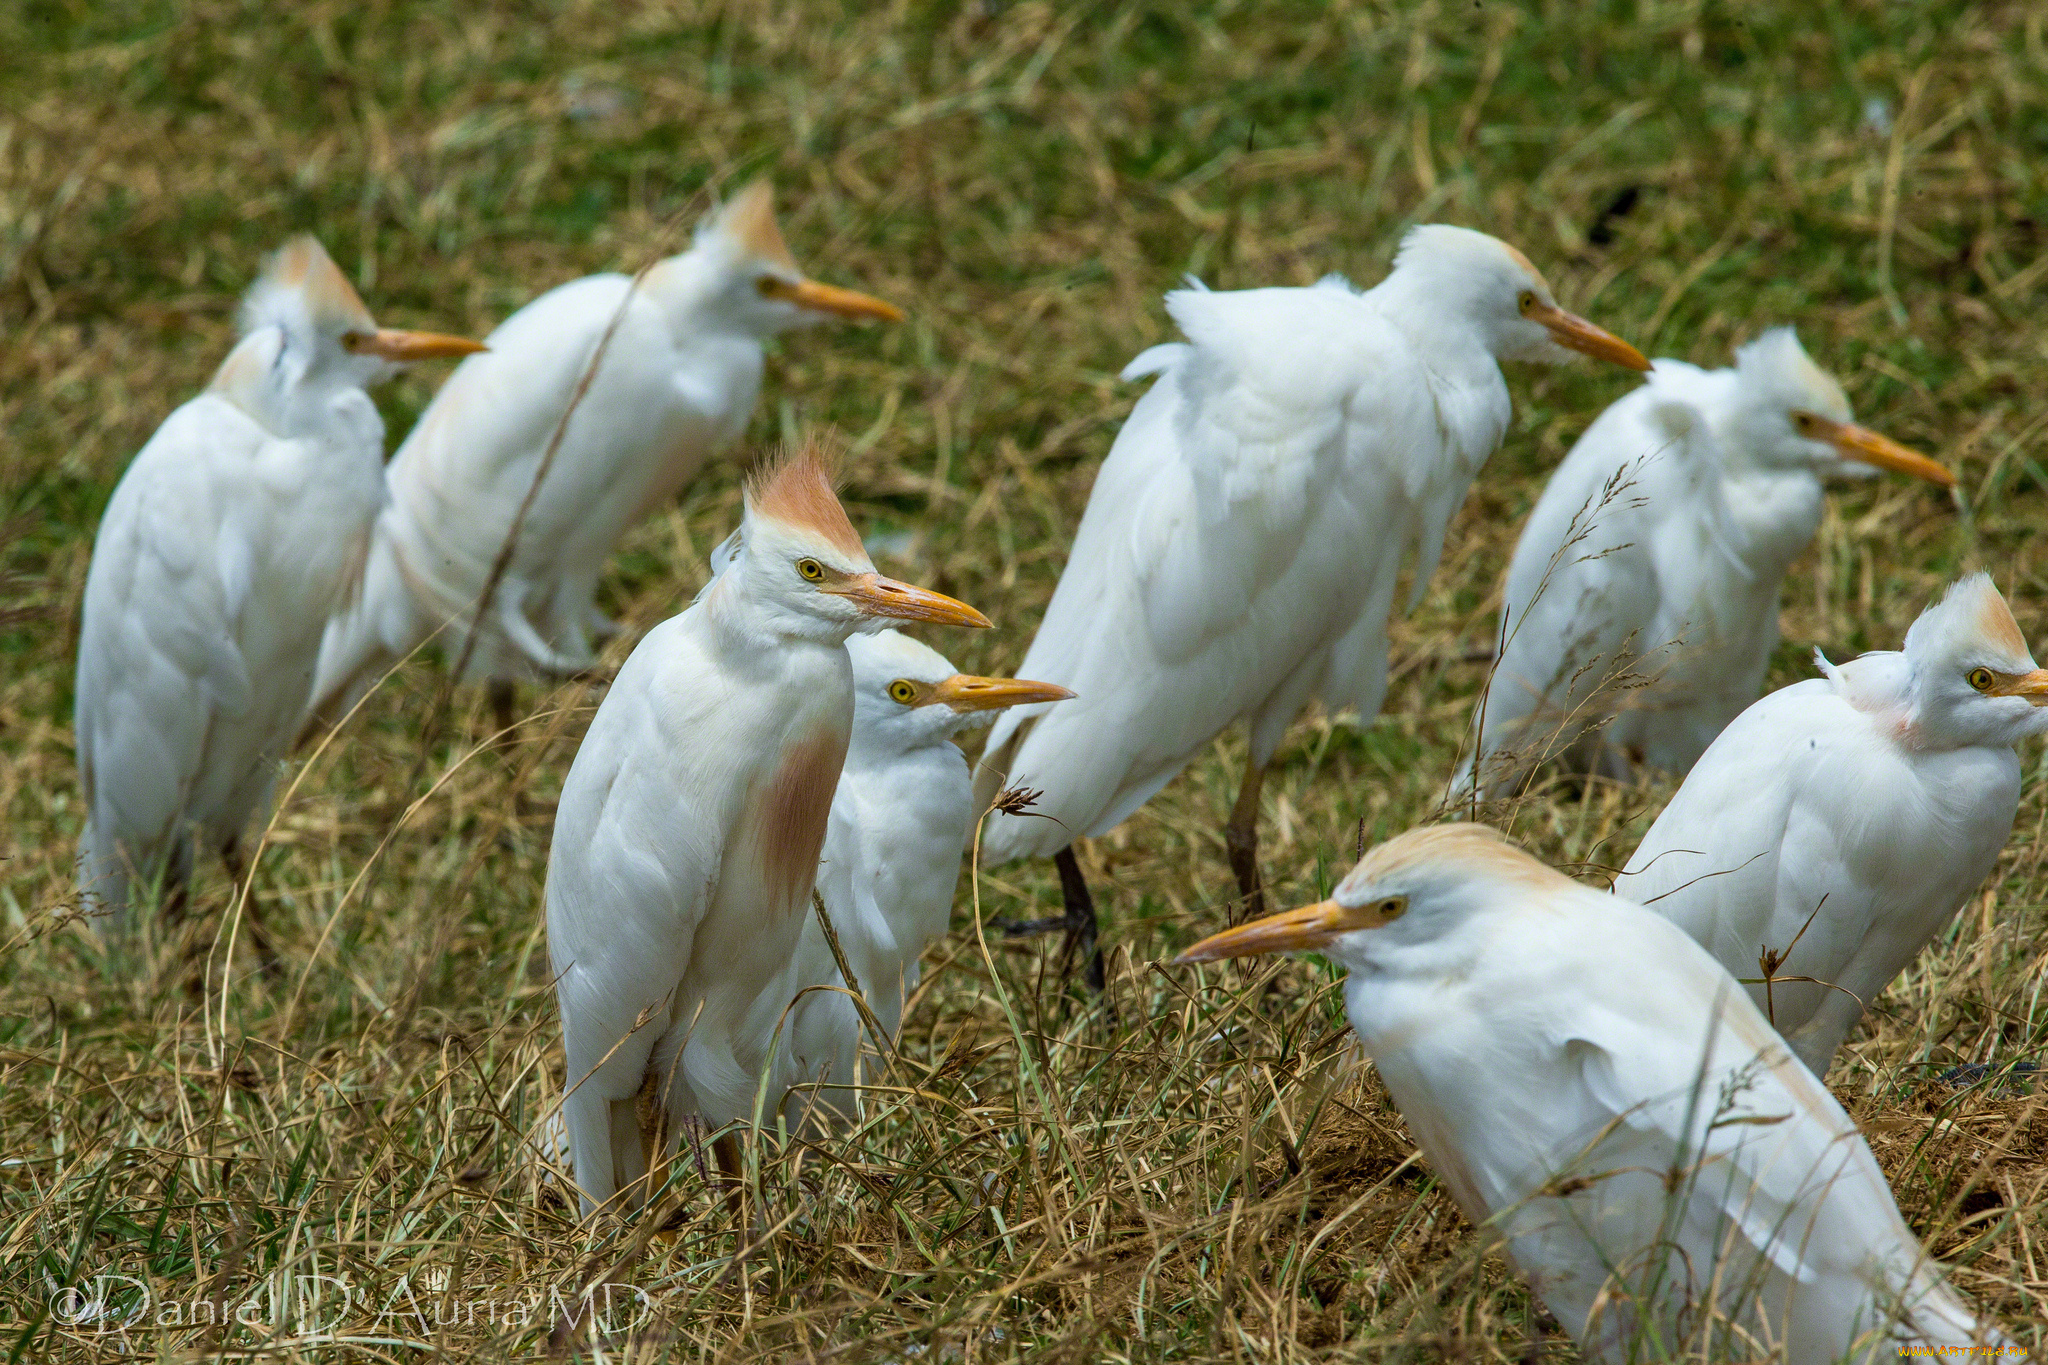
(1079, 921)
(252, 912)
(503, 695)
(1241, 843)
(732, 1172)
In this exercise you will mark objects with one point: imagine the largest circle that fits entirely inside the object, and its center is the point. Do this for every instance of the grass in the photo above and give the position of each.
(1210, 1176)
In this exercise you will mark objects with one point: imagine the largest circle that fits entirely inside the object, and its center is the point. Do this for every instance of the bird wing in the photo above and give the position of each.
(170, 577)
(1582, 590)
(1678, 1055)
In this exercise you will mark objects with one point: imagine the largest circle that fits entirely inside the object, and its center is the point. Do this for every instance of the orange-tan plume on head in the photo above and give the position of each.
(796, 489)
(750, 219)
(303, 264)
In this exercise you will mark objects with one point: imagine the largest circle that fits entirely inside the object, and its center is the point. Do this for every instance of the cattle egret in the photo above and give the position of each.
(1838, 824)
(232, 535)
(676, 384)
(1238, 555)
(1589, 1082)
(900, 818)
(1645, 586)
(687, 838)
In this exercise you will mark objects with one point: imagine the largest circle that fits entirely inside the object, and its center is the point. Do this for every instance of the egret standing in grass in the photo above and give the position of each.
(1582, 1076)
(232, 535)
(900, 819)
(676, 384)
(687, 838)
(1837, 825)
(1239, 552)
(1645, 587)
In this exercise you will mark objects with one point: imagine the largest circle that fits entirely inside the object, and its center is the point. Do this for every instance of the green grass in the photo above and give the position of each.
(1209, 1177)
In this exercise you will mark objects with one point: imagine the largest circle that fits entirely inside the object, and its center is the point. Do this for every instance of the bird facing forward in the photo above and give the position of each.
(1238, 555)
(676, 384)
(900, 819)
(687, 838)
(1645, 587)
(232, 535)
(1839, 823)
(1582, 1076)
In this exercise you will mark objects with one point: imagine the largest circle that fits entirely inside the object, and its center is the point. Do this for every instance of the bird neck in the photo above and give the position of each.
(693, 291)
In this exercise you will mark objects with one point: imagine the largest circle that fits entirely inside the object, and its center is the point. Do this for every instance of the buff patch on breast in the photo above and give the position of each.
(794, 806)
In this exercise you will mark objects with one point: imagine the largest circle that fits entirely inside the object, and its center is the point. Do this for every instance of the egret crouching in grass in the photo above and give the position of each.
(232, 535)
(675, 385)
(686, 841)
(1239, 551)
(1644, 590)
(900, 819)
(1834, 829)
(1585, 1079)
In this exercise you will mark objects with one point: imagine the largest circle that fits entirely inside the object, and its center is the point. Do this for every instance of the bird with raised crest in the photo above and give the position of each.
(687, 837)
(1836, 826)
(677, 379)
(1641, 605)
(1240, 549)
(1595, 1090)
(232, 535)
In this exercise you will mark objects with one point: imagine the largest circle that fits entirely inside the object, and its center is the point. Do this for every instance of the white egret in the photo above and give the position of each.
(676, 384)
(1839, 823)
(900, 819)
(1582, 1076)
(686, 841)
(232, 535)
(1239, 551)
(1644, 590)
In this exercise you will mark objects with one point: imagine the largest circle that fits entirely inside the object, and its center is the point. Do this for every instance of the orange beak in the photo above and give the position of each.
(404, 347)
(1311, 926)
(879, 596)
(965, 692)
(2033, 686)
(1869, 447)
(842, 303)
(1574, 333)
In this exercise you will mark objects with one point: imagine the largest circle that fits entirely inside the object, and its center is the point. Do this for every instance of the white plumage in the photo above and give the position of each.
(1645, 586)
(677, 384)
(231, 536)
(686, 841)
(1872, 801)
(900, 819)
(1560, 1054)
(1239, 551)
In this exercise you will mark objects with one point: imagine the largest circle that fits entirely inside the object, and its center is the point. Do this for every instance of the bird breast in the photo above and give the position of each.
(791, 809)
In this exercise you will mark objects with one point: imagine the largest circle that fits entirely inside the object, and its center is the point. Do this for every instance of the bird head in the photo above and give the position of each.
(1974, 681)
(799, 561)
(906, 695)
(1456, 272)
(759, 285)
(1410, 894)
(1791, 414)
(305, 330)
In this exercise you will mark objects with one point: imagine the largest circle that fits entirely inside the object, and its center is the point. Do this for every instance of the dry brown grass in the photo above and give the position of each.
(1207, 1178)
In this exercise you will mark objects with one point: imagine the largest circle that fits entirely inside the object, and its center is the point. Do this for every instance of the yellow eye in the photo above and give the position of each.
(811, 569)
(1391, 909)
(903, 690)
(1528, 300)
(1981, 679)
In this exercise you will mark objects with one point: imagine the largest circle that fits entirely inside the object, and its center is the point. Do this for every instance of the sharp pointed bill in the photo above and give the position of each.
(1880, 451)
(888, 599)
(1574, 333)
(965, 693)
(402, 347)
(829, 298)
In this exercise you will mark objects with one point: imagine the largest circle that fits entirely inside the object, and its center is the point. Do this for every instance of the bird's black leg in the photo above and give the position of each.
(503, 694)
(1079, 921)
(1241, 843)
(259, 932)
